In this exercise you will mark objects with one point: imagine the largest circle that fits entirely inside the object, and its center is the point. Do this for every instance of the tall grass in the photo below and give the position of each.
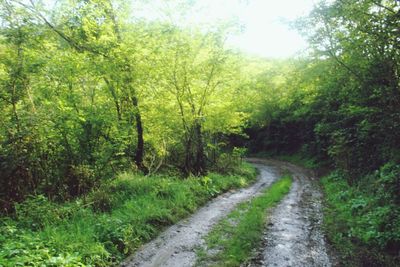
(108, 224)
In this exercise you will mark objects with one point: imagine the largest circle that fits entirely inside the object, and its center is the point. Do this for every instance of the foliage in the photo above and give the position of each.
(110, 94)
(110, 223)
(233, 239)
(363, 220)
(340, 106)
(37, 211)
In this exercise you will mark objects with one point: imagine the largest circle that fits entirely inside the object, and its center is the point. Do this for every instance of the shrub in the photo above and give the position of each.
(362, 220)
(37, 211)
(101, 200)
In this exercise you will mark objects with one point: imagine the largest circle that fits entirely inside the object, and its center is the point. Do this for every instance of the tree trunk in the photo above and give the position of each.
(115, 98)
(140, 141)
(195, 162)
(200, 163)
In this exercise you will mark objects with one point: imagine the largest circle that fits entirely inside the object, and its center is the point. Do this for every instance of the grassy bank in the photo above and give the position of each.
(231, 242)
(362, 221)
(108, 224)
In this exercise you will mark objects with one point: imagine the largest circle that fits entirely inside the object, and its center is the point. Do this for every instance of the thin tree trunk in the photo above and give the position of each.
(115, 98)
(195, 162)
(200, 163)
(140, 141)
(188, 168)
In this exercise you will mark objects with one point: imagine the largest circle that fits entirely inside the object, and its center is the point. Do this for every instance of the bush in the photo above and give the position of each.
(36, 212)
(230, 162)
(362, 220)
(80, 179)
(101, 200)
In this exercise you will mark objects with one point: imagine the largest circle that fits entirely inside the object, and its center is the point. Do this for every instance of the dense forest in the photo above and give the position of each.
(87, 95)
(340, 110)
(91, 96)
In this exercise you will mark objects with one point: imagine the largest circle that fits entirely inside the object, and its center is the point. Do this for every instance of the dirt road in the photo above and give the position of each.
(293, 237)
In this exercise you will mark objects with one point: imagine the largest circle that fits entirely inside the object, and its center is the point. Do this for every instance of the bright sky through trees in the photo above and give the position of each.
(266, 31)
(265, 23)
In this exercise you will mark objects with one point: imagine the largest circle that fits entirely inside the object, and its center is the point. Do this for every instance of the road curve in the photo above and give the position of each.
(176, 246)
(293, 235)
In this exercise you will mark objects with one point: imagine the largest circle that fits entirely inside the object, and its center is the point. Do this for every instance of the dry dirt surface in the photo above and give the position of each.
(293, 236)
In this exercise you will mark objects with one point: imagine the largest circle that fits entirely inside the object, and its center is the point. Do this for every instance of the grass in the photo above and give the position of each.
(232, 240)
(108, 224)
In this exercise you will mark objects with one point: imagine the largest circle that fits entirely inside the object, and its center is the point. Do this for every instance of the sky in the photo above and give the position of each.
(267, 32)
(265, 28)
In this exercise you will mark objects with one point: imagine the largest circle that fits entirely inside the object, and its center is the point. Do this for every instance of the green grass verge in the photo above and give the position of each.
(232, 240)
(108, 224)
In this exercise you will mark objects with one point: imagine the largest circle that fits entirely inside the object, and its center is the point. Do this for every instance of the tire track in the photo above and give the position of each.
(294, 235)
(175, 247)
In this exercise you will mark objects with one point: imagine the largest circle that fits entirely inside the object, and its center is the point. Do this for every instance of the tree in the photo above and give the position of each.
(194, 71)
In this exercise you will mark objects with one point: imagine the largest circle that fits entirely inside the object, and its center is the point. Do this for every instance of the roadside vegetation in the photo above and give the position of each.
(233, 240)
(362, 221)
(339, 110)
(103, 113)
(108, 224)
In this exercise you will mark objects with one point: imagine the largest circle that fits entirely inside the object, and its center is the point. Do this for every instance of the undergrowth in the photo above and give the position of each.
(232, 240)
(110, 223)
(362, 221)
